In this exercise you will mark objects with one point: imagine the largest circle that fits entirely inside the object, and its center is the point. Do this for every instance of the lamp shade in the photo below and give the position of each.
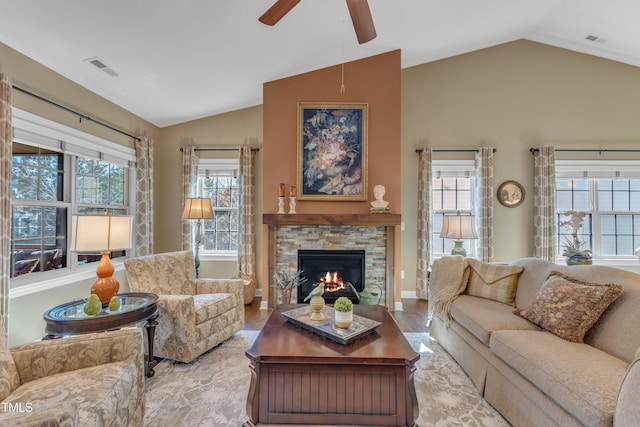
(197, 208)
(458, 227)
(101, 233)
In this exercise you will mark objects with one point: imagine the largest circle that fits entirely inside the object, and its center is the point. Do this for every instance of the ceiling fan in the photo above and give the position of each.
(358, 9)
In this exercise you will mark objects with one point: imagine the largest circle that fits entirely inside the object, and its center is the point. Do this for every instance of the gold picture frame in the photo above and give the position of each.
(511, 194)
(332, 151)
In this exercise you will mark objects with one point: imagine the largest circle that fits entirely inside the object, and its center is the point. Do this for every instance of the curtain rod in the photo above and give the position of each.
(69, 110)
(420, 150)
(255, 150)
(603, 150)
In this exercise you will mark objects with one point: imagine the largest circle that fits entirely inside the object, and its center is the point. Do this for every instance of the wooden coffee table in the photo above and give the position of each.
(299, 377)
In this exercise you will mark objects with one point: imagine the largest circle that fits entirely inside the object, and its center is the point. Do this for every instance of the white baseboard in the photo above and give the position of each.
(399, 306)
(409, 294)
(264, 305)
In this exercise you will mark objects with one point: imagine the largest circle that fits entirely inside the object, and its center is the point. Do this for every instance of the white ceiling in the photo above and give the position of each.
(181, 60)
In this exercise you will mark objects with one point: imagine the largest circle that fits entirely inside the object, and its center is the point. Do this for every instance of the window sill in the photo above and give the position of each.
(220, 256)
(611, 262)
(82, 273)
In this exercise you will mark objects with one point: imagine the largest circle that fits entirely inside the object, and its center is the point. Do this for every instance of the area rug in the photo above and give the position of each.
(212, 390)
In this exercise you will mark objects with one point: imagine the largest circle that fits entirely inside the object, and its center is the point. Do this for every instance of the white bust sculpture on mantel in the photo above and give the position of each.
(378, 193)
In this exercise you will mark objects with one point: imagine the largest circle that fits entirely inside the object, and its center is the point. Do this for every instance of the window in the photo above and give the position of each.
(218, 180)
(453, 190)
(39, 214)
(607, 193)
(52, 179)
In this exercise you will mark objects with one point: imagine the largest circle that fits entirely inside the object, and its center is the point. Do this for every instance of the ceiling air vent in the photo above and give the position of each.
(99, 63)
(596, 39)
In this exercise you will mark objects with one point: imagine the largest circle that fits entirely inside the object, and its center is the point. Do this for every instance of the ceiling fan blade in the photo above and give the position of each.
(362, 20)
(277, 11)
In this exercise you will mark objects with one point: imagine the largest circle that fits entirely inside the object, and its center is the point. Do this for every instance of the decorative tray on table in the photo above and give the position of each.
(360, 327)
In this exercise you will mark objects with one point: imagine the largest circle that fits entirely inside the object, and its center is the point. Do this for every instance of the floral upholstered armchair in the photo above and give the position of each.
(195, 315)
(83, 380)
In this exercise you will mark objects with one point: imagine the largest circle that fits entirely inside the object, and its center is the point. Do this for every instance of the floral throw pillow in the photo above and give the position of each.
(569, 307)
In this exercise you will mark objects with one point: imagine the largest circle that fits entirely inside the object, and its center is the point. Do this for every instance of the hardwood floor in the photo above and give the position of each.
(412, 319)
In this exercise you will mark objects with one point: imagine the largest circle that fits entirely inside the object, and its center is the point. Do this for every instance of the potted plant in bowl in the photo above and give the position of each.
(343, 312)
(286, 282)
(575, 250)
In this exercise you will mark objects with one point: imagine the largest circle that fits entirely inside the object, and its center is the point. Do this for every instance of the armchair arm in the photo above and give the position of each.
(214, 286)
(59, 415)
(49, 357)
(627, 413)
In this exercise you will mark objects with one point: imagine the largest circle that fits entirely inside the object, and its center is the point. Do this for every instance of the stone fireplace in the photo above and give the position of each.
(372, 234)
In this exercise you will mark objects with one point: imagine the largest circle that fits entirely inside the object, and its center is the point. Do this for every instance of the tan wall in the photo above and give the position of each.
(224, 130)
(375, 81)
(513, 97)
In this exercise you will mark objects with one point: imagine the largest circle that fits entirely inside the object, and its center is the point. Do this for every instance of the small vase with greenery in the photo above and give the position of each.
(343, 312)
(575, 250)
(286, 282)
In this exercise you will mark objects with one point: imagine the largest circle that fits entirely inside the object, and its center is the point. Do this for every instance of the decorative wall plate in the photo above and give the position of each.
(511, 194)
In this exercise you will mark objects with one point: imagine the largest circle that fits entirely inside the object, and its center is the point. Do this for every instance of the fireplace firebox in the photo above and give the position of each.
(336, 268)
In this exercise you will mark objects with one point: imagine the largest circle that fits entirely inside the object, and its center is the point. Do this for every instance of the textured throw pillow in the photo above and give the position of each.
(569, 307)
(493, 281)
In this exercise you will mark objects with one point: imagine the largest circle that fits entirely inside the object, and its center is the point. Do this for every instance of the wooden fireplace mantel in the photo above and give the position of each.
(332, 219)
(389, 221)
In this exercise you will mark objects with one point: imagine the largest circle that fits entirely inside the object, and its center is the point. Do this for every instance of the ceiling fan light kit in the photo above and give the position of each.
(358, 9)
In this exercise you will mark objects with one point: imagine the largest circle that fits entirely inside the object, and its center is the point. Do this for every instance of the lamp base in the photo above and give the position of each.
(458, 249)
(106, 286)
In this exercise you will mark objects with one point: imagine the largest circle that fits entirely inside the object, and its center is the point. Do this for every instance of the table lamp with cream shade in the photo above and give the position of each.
(102, 233)
(458, 227)
(197, 208)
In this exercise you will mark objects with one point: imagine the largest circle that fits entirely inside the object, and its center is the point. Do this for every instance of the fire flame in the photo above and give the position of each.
(333, 283)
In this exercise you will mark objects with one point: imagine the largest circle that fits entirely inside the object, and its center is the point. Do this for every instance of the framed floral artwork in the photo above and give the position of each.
(332, 151)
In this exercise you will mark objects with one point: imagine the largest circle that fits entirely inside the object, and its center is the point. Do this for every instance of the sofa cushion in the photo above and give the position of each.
(481, 317)
(579, 378)
(493, 281)
(209, 306)
(104, 394)
(568, 307)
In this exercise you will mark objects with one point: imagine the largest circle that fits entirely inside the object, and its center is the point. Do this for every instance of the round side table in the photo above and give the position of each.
(70, 319)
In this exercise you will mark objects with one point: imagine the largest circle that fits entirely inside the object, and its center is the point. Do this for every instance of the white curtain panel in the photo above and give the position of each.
(144, 197)
(190, 158)
(5, 196)
(484, 203)
(425, 208)
(246, 211)
(544, 203)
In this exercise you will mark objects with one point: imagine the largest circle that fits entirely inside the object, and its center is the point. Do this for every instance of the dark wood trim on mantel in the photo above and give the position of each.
(332, 219)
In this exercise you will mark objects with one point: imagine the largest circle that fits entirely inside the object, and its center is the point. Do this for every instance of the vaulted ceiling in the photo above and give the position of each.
(181, 60)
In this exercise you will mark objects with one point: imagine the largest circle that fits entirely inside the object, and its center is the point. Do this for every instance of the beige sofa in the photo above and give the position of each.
(83, 380)
(532, 376)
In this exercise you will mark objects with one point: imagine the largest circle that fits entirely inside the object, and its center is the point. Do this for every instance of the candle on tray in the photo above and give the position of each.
(281, 190)
(292, 191)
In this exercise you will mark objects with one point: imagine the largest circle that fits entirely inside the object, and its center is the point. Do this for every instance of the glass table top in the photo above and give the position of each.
(70, 318)
(75, 309)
